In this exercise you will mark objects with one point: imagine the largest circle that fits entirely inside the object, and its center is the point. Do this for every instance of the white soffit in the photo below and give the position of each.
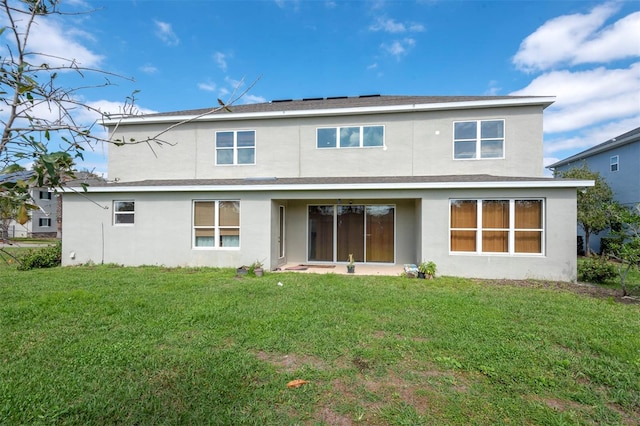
(340, 187)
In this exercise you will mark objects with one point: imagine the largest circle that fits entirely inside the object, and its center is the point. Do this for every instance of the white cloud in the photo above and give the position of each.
(580, 39)
(392, 26)
(55, 44)
(207, 87)
(252, 99)
(283, 3)
(148, 69)
(612, 43)
(399, 48)
(590, 136)
(221, 60)
(236, 84)
(493, 88)
(165, 32)
(593, 103)
(586, 98)
(86, 116)
(388, 25)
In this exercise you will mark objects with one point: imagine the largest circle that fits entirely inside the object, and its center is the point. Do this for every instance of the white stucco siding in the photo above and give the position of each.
(416, 144)
(173, 159)
(557, 263)
(162, 232)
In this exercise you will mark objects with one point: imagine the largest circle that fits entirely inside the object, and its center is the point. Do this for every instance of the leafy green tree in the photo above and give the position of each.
(594, 203)
(38, 118)
(625, 246)
(14, 203)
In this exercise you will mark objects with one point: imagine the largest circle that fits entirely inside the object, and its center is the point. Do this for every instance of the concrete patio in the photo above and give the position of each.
(324, 268)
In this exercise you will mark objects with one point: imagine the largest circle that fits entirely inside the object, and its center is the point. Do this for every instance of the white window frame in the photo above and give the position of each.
(478, 139)
(47, 220)
(361, 141)
(235, 147)
(47, 195)
(614, 162)
(117, 213)
(511, 230)
(216, 226)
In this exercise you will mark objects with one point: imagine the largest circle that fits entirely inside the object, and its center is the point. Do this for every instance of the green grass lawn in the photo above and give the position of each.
(111, 345)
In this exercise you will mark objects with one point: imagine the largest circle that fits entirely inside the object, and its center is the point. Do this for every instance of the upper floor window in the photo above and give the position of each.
(45, 195)
(497, 226)
(236, 147)
(478, 139)
(124, 212)
(350, 137)
(216, 224)
(614, 163)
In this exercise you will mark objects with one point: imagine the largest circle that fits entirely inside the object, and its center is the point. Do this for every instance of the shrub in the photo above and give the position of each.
(45, 257)
(609, 244)
(596, 270)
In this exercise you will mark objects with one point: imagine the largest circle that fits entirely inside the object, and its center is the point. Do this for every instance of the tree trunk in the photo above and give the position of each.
(4, 229)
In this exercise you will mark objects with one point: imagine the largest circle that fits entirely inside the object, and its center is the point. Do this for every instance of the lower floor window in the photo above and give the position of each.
(497, 226)
(216, 224)
(124, 212)
(44, 222)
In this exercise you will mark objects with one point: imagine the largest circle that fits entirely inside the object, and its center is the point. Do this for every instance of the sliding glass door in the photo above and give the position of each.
(350, 233)
(321, 220)
(365, 231)
(380, 233)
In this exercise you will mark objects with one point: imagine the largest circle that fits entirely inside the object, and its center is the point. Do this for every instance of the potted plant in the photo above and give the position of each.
(351, 267)
(243, 270)
(256, 267)
(427, 270)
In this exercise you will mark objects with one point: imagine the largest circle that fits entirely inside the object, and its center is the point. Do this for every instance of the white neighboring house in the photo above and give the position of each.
(42, 221)
(389, 179)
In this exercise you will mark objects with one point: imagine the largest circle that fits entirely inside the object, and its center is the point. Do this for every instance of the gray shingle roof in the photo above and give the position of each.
(16, 176)
(338, 102)
(328, 181)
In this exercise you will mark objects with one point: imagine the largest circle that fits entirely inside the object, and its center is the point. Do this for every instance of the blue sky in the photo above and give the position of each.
(185, 54)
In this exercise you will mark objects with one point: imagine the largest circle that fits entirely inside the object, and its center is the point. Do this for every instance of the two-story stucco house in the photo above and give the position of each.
(42, 221)
(389, 179)
(618, 162)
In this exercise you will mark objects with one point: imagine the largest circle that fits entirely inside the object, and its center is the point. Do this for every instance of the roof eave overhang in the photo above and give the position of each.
(339, 187)
(543, 101)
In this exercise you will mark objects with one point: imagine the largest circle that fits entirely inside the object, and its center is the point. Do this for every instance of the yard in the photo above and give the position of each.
(106, 344)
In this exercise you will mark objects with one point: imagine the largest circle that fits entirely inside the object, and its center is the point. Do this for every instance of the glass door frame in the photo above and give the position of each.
(334, 237)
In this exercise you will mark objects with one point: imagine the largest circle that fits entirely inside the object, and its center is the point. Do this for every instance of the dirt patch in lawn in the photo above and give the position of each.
(586, 289)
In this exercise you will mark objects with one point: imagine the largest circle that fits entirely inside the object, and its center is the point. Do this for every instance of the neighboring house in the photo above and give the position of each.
(618, 162)
(389, 179)
(42, 220)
